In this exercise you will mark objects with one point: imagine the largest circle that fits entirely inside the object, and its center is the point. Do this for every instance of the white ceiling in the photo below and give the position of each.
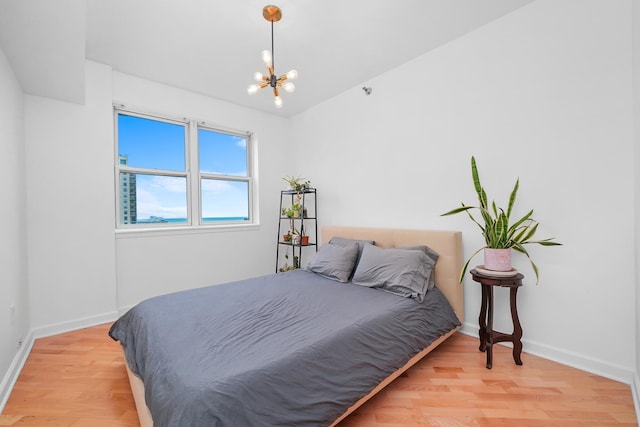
(213, 46)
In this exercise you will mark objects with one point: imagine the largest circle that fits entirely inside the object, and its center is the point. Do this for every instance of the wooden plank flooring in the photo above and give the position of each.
(78, 379)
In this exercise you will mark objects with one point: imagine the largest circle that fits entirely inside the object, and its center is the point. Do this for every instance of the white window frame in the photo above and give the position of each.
(192, 174)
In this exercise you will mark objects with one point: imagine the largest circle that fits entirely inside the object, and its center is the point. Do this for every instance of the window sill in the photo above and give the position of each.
(131, 233)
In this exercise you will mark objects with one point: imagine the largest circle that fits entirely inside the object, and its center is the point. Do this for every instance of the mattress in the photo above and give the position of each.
(278, 350)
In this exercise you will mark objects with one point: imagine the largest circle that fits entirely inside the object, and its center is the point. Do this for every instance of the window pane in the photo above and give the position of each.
(222, 153)
(225, 200)
(146, 143)
(150, 199)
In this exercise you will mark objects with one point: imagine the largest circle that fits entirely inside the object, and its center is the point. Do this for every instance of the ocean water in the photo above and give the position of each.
(211, 219)
(162, 220)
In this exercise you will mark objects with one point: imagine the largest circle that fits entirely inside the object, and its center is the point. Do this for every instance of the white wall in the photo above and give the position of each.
(70, 196)
(543, 94)
(149, 265)
(14, 324)
(80, 271)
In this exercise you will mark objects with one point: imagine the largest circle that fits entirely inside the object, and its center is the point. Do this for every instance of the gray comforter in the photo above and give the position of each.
(292, 349)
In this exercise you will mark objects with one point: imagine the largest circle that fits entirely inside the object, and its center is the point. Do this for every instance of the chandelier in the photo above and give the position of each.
(272, 14)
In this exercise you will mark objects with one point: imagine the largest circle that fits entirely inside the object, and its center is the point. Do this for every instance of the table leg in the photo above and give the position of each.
(482, 320)
(517, 329)
(489, 327)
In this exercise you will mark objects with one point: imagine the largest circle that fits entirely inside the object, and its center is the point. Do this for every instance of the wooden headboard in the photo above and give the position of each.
(447, 243)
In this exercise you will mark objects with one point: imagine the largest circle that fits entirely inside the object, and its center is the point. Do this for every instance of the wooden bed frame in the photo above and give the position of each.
(447, 243)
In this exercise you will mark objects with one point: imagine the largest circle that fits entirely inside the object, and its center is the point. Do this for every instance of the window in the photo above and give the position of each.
(172, 172)
(224, 184)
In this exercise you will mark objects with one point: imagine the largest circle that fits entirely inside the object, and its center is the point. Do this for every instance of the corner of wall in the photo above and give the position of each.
(635, 391)
(636, 129)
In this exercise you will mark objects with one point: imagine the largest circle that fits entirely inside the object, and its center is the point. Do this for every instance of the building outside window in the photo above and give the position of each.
(127, 195)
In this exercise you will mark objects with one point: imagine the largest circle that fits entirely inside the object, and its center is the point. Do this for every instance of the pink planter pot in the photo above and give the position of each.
(497, 259)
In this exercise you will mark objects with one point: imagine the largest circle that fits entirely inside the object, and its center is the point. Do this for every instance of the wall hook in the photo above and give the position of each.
(367, 90)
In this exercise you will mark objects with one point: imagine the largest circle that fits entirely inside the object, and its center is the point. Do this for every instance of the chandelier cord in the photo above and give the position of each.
(273, 54)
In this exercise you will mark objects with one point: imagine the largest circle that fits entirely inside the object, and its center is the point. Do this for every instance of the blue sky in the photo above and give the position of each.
(159, 145)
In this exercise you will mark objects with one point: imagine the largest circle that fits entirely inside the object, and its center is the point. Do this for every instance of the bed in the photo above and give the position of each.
(298, 348)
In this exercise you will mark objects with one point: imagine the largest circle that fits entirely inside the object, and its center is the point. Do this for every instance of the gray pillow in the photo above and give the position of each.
(334, 262)
(403, 272)
(431, 254)
(341, 241)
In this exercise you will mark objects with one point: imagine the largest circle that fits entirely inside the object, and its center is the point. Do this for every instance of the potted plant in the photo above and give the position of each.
(297, 184)
(498, 230)
(296, 238)
(293, 211)
(304, 239)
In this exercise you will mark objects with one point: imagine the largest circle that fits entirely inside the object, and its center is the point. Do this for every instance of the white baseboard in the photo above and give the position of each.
(72, 325)
(568, 358)
(10, 378)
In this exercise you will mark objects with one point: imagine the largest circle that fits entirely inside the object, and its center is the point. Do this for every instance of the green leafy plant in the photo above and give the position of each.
(293, 211)
(496, 226)
(297, 183)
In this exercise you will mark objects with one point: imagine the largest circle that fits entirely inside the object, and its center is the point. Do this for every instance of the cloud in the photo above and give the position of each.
(224, 198)
(217, 186)
(163, 196)
(169, 184)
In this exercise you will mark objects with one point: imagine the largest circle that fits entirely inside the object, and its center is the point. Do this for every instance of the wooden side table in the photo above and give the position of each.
(488, 336)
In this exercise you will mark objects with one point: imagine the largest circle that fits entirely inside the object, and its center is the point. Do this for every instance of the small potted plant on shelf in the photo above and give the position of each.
(297, 184)
(296, 238)
(500, 234)
(293, 211)
(304, 239)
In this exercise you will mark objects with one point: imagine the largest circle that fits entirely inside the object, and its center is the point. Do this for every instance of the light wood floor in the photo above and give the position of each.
(78, 379)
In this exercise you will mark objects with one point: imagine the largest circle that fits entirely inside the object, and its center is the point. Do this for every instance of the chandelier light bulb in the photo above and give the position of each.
(289, 87)
(292, 74)
(258, 76)
(252, 89)
(266, 57)
(278, 101)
